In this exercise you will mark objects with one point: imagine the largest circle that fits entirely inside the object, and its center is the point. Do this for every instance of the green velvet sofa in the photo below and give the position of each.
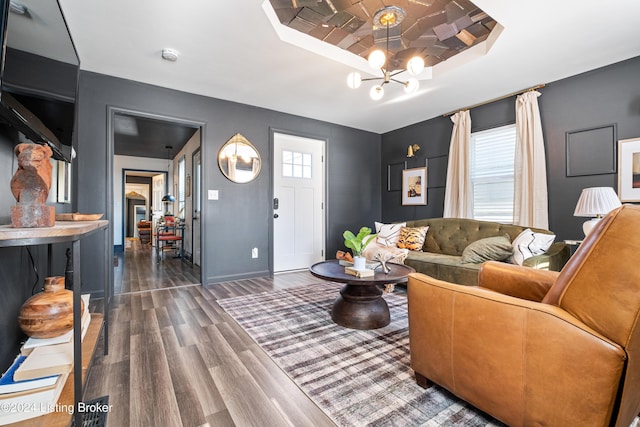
(441, 256)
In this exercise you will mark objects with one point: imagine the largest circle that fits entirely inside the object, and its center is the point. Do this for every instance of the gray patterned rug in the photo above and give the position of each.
(358, 378)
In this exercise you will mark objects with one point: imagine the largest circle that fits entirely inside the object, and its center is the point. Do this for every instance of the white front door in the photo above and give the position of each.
(298, 204)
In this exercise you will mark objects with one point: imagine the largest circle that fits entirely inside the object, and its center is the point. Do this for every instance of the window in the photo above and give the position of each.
(182, 185)
(492, 159)
(296, 165)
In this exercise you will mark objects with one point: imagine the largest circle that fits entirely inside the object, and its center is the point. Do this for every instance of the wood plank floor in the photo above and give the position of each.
(139, 270)
(177, 359)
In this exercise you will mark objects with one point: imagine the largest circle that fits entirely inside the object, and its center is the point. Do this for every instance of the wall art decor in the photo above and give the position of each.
(591, 151)
(629, 170)
(414, 186)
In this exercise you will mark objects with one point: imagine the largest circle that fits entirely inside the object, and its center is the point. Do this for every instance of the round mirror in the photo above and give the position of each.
(239, 160)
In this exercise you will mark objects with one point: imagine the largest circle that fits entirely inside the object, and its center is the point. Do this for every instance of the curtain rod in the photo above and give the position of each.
(495, 99)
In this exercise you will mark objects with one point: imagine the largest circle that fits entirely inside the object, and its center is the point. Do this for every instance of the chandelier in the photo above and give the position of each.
(388, 17)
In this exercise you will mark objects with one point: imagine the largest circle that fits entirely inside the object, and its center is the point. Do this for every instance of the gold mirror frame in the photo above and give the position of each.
(239, 160)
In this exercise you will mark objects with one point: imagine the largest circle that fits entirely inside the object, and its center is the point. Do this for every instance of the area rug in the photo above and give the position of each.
(358, 378)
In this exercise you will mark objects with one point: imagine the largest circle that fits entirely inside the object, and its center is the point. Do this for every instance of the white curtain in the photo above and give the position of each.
(530, 179)
(457, 196)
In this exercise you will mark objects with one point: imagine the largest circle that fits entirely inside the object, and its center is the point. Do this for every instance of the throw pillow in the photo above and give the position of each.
(496, 248)
(412, 238)
(388, 234)
(529, 244)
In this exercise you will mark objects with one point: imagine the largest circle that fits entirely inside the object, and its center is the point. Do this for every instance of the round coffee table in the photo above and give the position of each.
(360, 304)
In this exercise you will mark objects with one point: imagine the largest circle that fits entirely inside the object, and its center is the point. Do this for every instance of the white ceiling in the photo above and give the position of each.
(229, 50)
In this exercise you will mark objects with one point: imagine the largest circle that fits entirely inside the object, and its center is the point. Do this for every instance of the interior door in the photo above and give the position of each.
(298, 202)
(197, 205)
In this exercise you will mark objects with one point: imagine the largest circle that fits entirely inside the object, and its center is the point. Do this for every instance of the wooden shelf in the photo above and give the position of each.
(68, 231)
(63, 231)
(55, 419)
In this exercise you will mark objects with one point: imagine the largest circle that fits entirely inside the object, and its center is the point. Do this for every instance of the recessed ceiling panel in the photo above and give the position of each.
(349, 24)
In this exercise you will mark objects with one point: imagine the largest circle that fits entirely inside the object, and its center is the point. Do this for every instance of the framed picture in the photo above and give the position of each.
(629, 170)
(414, 186)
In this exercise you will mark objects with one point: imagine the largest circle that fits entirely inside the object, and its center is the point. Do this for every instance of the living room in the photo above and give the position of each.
(357, 164)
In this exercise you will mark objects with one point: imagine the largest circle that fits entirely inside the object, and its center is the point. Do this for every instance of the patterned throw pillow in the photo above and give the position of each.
(388, 234)
(529, 244)
(412, 238)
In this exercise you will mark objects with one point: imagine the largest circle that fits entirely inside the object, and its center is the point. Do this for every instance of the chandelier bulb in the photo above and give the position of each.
(415, 65)
(376, 93)
(376, 59)
(412, 85)
(354, 80)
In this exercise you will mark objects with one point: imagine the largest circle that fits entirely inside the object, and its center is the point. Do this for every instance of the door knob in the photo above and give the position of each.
(275, 215)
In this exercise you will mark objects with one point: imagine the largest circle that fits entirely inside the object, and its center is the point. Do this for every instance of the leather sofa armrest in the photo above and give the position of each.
(554, 259)
(516, 281)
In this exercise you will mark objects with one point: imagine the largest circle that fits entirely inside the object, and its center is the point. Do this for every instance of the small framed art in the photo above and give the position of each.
(414, 186)
(629, 170)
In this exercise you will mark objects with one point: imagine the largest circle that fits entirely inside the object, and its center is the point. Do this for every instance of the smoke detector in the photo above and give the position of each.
(170, 54)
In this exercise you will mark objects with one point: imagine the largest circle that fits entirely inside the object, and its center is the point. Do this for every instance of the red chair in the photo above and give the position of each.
(167, 236)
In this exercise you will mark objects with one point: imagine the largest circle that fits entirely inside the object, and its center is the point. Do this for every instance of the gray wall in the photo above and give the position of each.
(241, 218)
(600, 97)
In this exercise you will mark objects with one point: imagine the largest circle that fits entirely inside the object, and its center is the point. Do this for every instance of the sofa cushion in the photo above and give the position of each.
(449, 268)
(528, 244)
(496, 248)
(412, 238)
(388, 234)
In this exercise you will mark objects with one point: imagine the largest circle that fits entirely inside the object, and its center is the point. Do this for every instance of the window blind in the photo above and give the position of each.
(492, 159)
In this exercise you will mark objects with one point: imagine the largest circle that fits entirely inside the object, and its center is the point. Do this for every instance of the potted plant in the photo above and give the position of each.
(357, 243)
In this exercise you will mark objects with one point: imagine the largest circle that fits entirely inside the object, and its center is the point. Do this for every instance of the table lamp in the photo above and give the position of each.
(596, 202)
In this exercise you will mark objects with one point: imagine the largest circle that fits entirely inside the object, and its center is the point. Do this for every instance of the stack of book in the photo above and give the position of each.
(33, 383)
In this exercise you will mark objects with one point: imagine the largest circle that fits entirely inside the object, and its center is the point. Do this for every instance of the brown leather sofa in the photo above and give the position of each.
(539, 348)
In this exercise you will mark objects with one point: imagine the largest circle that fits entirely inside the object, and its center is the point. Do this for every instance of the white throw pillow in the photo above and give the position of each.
(388, 234)
(529, 244)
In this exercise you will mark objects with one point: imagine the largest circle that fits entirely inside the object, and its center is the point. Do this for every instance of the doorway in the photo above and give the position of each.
(152, 158)
(298, 202)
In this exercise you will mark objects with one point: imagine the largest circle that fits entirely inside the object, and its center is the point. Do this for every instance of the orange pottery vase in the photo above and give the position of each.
(50, 313)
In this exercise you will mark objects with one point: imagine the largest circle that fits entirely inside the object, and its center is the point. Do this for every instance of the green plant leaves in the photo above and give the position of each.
(357, 243)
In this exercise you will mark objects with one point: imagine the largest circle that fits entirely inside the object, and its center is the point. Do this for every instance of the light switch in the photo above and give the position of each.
(212, 195)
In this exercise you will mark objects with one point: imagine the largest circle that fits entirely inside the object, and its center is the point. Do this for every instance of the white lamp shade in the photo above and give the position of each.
(415, 65)
(376, 59)
(596, 201)
(376, 93)
(354, 80)
(411, 85)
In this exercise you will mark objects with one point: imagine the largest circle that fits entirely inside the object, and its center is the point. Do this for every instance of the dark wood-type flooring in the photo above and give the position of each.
(140, 270)
(177, 359)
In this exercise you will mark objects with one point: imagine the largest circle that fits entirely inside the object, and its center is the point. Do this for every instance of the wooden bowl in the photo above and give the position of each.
(50, 313)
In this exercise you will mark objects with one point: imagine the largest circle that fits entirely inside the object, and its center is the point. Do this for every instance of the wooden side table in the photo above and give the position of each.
(573, 245)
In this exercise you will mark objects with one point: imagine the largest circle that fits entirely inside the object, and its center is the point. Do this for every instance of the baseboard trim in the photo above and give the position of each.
(230, 277)
(118, 248)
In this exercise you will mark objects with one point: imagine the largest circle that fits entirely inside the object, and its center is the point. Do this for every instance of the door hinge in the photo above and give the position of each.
(322, 253)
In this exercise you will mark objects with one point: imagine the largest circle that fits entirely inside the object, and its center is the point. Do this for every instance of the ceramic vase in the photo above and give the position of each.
(50, 313)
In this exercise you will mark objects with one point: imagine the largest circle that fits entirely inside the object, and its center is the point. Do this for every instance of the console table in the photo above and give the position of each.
(68, 231)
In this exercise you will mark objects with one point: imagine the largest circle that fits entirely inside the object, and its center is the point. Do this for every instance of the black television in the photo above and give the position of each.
(38, 73)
